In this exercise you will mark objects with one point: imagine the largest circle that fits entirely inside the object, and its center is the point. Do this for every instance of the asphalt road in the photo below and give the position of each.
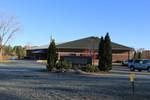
(27, 80)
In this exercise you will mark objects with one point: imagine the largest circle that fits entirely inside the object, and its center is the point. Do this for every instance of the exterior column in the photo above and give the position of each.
(128, 55)
(58, 55)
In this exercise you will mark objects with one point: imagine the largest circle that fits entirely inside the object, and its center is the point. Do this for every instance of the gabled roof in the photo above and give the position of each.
(90, 43)
(85, 43)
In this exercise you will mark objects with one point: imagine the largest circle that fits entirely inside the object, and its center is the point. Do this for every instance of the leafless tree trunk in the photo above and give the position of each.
(8, 27)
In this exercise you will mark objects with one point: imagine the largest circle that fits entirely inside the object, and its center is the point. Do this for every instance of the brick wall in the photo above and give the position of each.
(115, 56)
(122, 56)
(146, 54)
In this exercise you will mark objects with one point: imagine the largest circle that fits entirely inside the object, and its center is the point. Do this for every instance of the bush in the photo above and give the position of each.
(90, 68)
(118, 61)
(63, 65)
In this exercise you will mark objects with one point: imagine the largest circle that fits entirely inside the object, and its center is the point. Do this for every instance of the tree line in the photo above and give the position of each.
(14, 51)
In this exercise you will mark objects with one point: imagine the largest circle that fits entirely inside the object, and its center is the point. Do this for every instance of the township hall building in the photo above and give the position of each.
(81, 51)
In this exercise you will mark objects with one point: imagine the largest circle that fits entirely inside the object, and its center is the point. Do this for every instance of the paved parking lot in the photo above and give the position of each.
(27, 80)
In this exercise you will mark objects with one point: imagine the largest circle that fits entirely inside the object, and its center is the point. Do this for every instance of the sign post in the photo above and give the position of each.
(132, 79)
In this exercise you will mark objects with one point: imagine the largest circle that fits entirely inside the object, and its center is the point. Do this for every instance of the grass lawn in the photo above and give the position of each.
(6, 61)
(32, 84)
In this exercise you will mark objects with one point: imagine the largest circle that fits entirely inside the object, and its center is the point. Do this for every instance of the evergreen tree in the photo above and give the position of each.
(51, 56)
(139, 55)
(135, 55)
(108, 52)
(101, 55)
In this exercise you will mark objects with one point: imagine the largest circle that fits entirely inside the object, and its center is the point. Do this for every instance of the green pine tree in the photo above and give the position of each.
(135, 55)
(101, 55)
(139, 55)
(108, 52)
(51, 56)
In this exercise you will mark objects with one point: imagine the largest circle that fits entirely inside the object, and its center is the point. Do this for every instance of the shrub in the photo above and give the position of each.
(66, 65)
(118, 61)
(58, 65)
(90, 68)
(63, 65)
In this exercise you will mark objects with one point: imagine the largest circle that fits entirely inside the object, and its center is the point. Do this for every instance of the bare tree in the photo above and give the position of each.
(8, 27)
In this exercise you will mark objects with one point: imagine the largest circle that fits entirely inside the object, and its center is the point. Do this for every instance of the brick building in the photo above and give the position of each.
(81, 50)
(146, 54)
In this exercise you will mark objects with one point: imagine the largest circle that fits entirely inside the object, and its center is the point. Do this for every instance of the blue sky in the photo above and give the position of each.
(127, 21)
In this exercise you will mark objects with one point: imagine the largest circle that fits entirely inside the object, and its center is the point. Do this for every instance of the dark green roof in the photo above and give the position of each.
(90, 43)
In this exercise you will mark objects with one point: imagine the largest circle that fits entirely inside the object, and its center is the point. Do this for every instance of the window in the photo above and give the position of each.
(146, 61)
(138, 61)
